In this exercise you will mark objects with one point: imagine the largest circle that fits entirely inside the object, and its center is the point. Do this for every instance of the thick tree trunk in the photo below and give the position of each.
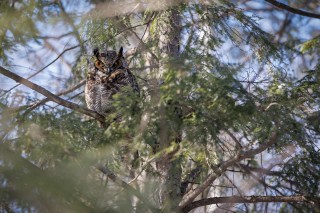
(169, 168)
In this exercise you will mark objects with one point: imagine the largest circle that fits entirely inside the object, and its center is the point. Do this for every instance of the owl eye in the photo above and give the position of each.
(99, 64)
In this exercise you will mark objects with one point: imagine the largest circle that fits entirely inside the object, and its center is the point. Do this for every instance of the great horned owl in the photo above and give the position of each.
(120, 75)
(108, 75)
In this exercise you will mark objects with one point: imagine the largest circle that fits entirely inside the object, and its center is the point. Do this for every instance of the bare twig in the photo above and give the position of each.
(55, 37)
(71, 23)
(36, 73)
(141, 42)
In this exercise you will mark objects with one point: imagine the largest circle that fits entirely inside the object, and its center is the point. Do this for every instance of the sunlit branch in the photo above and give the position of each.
(142, 169)
(51, 96)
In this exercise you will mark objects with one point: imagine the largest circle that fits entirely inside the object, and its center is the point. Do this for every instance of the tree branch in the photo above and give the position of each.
(43, 101)
(249, 199)
(189, 197)
(36, 73)
(293, 10)
(51, 96)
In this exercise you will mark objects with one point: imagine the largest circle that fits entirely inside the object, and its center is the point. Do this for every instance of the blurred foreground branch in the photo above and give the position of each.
(40, 184)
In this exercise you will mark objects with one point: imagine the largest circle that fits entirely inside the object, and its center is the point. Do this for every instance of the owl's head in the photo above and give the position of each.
(104, 60)
(119, 62)
(108, 57)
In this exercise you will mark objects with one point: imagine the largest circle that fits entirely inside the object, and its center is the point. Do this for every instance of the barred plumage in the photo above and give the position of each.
(108, 77)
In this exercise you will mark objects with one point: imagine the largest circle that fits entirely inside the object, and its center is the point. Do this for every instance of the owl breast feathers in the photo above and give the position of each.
(108, 75)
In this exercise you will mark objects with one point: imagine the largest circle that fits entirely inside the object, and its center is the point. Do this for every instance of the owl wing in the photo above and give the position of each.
(90, 89)
(123, 77)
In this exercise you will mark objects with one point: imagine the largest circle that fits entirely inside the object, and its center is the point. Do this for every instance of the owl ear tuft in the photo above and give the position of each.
(120, 54)
(96, 52)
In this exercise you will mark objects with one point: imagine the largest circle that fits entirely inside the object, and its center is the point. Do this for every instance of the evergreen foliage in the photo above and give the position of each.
(232, 88)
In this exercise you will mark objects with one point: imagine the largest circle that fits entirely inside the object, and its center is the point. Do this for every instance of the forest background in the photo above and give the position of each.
(227, 119)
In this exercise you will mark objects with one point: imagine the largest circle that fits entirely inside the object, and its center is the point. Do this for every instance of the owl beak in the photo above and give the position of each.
(109, 69)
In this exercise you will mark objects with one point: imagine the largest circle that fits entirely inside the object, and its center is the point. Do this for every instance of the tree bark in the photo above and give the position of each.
(169, 167)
